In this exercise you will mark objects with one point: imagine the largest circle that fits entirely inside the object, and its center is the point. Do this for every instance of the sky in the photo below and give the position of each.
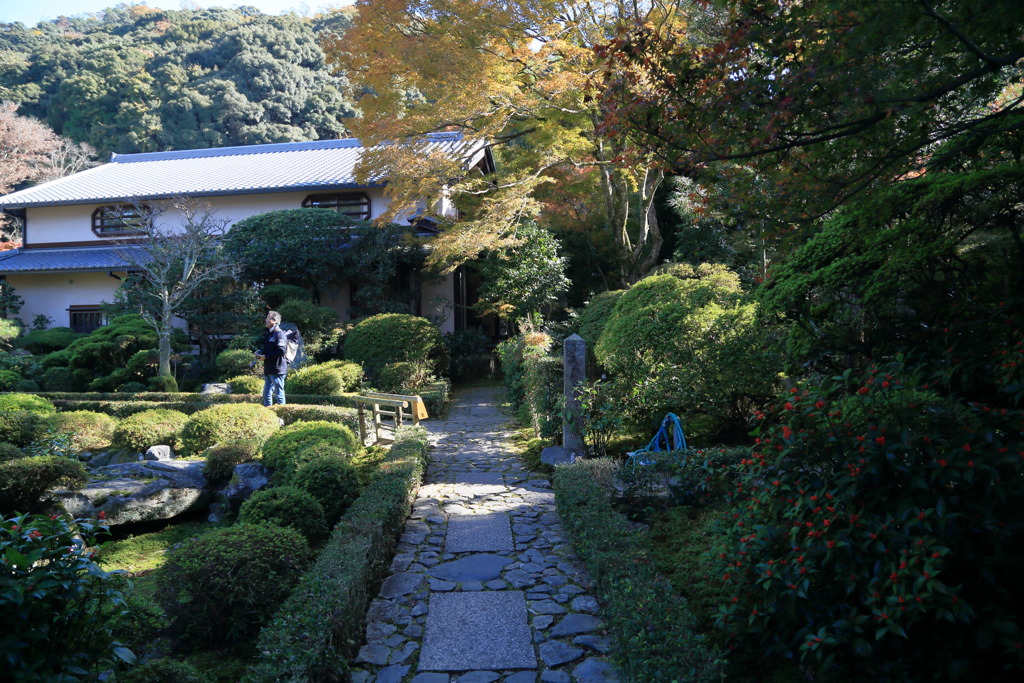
(31, 12)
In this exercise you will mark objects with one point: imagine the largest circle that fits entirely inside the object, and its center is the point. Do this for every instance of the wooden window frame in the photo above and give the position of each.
(86, 317)
(111, 220)
(355, 205)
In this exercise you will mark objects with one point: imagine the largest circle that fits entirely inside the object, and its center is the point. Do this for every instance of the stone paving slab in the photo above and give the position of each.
(467, 631)
(479, 533)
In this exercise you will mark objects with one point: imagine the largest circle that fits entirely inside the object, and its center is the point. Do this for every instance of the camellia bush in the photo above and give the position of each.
(878, 530)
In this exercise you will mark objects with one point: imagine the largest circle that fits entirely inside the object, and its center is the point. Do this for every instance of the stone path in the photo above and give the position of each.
(484, 587)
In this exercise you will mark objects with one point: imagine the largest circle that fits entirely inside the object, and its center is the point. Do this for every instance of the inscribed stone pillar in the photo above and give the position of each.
(575, 375)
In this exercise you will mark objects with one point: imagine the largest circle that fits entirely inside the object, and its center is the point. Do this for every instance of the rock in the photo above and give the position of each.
(159, 453)
(556, 455)
(100, 460)
(595, 671)
(140, 492)
(216, 388)
(246, 479)
(125, 458)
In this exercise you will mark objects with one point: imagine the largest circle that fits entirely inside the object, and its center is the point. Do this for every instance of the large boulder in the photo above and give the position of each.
(144, 491)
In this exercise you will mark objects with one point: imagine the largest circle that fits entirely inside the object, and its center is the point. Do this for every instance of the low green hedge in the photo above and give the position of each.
(314, 633)
(653, 627)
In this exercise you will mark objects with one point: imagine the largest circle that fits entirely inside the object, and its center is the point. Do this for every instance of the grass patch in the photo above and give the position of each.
(146, 552)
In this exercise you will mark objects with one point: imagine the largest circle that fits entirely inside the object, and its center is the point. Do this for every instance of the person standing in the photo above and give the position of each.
(275, 367)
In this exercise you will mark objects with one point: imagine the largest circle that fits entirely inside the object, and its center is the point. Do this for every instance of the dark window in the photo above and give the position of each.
(353, 204)
(85, 318)
(118, 220)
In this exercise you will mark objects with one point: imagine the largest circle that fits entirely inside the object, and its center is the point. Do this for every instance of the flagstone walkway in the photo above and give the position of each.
(484, 587)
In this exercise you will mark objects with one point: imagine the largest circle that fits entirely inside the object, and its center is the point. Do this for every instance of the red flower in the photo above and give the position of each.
(862, 391)
(819, 404)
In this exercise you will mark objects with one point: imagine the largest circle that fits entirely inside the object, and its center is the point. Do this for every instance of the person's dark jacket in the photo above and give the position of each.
(275, 342)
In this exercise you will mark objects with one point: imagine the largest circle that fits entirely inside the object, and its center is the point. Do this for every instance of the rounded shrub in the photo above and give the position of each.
(312, 320)
(394, 337)
(223, 586)
(131, 388)
(9, 380)
(403, 377)
(58, 379)
(8, 451)
(247, 384)
(333, 481)
(164, 671)
(29, 402)
(325, 379)
(20, 427)
(162, 383)
(282, 451)
(288, 507)
(25, 481)
(89, 430)
(158, 426)
(221, 460)
(595, 316)
(41, 342)
(228, 422)
(235, 362)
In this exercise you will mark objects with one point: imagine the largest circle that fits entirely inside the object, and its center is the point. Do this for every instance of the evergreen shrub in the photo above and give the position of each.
(333, 481)
(394, 337)
(41, 342)
(164, 670)
(513, 354)
(325, 379)
(25, 482)
(29, 402)
(9, 380)
(58, 379)
(235, 362)
(228, 422)
(221, 460)
(8, 451)
(286, 506)
(246, 384)
(595, 315)
(286, 450)
(162, 383)
(20, 427)
(293, 412)
(403, 377)
(89, 430)
(151, 427)
(275, 295)
(223, 586)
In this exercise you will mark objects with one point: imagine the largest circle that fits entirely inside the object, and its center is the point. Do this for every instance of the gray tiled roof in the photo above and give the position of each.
(252, 169)
(66, 258)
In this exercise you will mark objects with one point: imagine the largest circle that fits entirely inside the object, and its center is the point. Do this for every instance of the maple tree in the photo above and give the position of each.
(820, 98)
(518, 76)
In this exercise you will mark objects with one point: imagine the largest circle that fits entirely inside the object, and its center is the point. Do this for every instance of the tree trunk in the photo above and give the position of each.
(164, 340)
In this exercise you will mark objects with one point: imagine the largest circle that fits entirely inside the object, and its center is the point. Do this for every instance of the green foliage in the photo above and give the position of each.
(286, 506)
(543, 387)
(9, 331)
(164, 671)
(245, 384)
(41, 342)
(393, 337)
(10, 301)
(524, 281)
(58, 379)
(653, 625)
(689, 343)
(89, 430)
(292, 413)
(373, 263)
(236, 362)
(224, 585)
(9, 380)
(221, 460)
(275, 295)
(314, 322)
(19, 427)
(325, 379)
(333, 481)
(8, 451)
(284, 451)
(464, 352)
(35, 404)
(513, 354)
(164, 383)
(403, 377)
(228, 422)
(595, 316)
(61, 602)
(25, 482)
(874, 519)
(155, 426)
(329, 605)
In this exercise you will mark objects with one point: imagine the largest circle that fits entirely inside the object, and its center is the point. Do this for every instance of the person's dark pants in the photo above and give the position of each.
(273, 389)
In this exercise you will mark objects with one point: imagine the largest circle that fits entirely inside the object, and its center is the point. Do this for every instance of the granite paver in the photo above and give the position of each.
(484, 586)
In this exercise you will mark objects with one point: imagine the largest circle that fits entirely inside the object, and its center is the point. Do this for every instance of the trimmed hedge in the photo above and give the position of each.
(25, 481)
(148, 428)
(653, 627)
(313, 634)
(287, 507)
(284, 452)
(292, 413)
(392, 337)
(225, 423)
(19, 427)
(34, 403)
(90, 430)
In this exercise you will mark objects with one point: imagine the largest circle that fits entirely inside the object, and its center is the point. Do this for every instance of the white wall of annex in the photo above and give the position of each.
(52, 294)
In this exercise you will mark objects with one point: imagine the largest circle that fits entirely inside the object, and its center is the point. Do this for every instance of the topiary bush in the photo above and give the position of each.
(246, 384)
(158, 426)
(162, 383)
(224, 585)
(25, 482)
(235, 362)
(20, 427)
(164, 671)
(41, 342)
(877, 531)
(324, 379)
(282, 452)
(89, 431)
(29, 402)
(333, 481)
(286, 506)
(221, 460)
(394, 337)
(228, 422)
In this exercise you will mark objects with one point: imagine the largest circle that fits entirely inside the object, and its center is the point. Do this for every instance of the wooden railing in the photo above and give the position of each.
(374, 408)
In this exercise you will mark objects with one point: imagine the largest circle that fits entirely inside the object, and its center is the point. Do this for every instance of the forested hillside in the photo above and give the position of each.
(137, 79)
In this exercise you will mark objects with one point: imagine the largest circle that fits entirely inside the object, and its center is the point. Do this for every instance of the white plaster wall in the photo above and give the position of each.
(50, 224)
(51, 294)
(445, 289)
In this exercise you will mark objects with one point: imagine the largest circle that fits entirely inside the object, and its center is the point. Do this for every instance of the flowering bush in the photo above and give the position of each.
(57, 605)
(878, 528)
